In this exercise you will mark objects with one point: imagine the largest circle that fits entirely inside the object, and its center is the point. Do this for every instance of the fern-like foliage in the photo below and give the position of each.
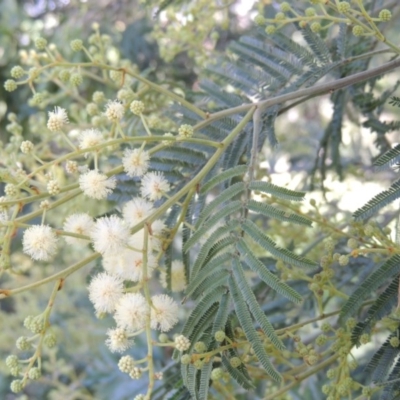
(394, 101)
(387, 270)
(381, 307)
(389, 158)
(223, 248)
(385, 368)
(379, 201)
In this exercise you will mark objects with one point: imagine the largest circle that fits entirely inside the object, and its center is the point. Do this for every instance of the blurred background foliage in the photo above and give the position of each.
(172, 42)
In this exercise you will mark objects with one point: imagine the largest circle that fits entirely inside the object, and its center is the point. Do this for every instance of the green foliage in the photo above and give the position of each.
(388, 269)
(246, 251)
(379, 201)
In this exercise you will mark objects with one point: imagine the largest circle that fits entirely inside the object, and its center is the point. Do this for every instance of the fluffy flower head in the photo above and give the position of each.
(104, 292)
(96, 185)
(40, 242)
(57, 119)
(164, 312)
(90, 138)
(81, 224)
(135, 162)
(131, 311)
(110, 235)
(114, 111)
(154, 185)
(136, 210)
(128, 264)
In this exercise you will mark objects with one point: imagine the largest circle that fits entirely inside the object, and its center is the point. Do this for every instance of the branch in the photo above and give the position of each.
(315, 90)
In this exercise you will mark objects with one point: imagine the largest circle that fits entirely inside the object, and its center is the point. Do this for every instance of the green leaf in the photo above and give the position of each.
(211, 266)
(205, 374)
(379, 201)
(217, 278)
(317, 45)
(201, 315)
(255, 308)
(268, 244)
(381, 307)
(222, 315)
(272, 212)
(382, 361)
(376, 279)
(221, 246)
(266, 275)
(277, 191)
(208, 245)
(205, 322)
(226, 195)
(246, 323)
(237, 375)
(189, 373)
(223, 176)
(388, 158)
(395, 101)
(228, 209)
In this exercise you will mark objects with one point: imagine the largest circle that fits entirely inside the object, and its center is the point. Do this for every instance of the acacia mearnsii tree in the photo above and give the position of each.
(196, 208)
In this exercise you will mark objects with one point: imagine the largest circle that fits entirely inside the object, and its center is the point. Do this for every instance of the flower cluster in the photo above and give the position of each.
(129, 239)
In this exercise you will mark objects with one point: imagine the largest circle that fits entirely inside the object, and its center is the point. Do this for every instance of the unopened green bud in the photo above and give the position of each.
(16, 386)
(200, 347)
(40, 43)
(198, 364)
(315, 27)
(50, 340)
(260, 20)
(12, 361)
(331, 373)
(98, 97)
(219, 336)
(321, 340)
(10, 85)
(37, 99)
(216, 374)
(23, 343)
(34, 373)
(17, 72)
(310, 12)
(92, 109)
(352, 243)
(235, 362)
(186, 359)
(64, 75)
(137, 107)
(270, 29)
(358, 30)
(76, 79)
(385, 15)
(285, 7)
(163, 338)
(76, 45)
(344, 7)
(326, 327)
